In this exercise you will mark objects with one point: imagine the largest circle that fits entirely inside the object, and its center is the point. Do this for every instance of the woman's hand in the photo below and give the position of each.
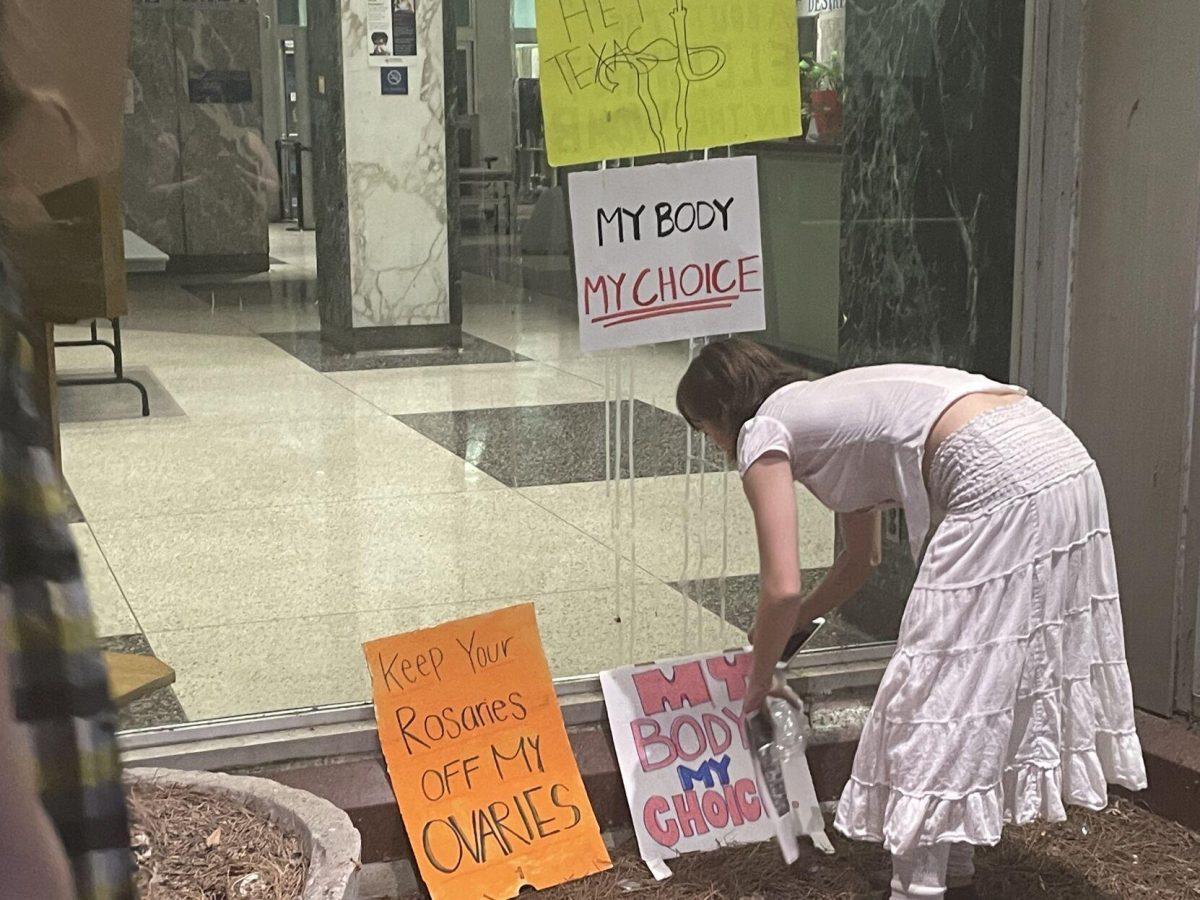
(757, 692)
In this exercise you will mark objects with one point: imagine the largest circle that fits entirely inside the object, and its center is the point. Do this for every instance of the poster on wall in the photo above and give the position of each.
(391, 30)
(627, 78)
(686, 764)
(479, 759)
(667, 252)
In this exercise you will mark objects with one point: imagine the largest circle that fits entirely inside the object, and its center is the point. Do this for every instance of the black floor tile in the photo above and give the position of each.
(308, 347)
(528, 446)
(741, 601)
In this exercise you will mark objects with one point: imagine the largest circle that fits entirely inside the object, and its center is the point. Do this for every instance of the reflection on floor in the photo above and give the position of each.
(301, 500)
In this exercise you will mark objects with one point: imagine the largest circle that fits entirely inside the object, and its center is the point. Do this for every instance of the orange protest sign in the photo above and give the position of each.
(479, 758)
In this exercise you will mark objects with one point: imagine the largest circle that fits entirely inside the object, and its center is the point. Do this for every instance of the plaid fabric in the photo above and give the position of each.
(60, 683)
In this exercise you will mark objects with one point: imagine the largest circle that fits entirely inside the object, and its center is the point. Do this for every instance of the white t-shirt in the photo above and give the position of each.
(856, 439)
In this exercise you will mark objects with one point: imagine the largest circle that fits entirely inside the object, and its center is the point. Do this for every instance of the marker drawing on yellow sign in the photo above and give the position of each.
(624, 78)
(479, 758)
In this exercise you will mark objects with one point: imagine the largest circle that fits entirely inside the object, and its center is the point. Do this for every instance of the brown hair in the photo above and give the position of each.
(728, 381)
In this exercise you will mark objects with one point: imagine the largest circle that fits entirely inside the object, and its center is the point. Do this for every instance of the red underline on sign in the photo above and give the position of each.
(632, 315)
(671, 310)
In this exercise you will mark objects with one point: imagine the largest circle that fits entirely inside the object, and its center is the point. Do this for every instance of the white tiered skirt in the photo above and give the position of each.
(1008, 695)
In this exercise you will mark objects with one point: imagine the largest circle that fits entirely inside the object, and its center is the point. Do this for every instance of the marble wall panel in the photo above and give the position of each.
(396, 178)
(229, 173)
(152, 176)
(929, 198)
(198, 176)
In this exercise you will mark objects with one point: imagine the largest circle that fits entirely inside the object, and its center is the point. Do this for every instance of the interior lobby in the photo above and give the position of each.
(351, 308)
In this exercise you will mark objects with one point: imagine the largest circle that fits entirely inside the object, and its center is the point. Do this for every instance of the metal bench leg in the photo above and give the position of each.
(118, 364)
(94, 341)
(120, 368)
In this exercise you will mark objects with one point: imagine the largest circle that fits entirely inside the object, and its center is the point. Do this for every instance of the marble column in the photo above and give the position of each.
(385, 238)
(198, 177)
(229, 172)
(152, 198)
(929, 181)
(929, 196)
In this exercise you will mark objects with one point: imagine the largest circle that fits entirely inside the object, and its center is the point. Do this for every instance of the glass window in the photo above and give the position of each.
(355, 331)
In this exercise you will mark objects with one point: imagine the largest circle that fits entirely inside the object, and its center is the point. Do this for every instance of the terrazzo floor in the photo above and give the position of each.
(285, 502)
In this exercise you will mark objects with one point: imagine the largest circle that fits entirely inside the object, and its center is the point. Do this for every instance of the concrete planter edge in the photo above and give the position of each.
(326, 833)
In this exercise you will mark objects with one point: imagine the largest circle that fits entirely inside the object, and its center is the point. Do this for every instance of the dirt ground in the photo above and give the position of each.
(197, 846)
(1123, 852)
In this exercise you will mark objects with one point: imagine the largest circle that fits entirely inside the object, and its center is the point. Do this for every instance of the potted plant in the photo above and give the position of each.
(825, 97)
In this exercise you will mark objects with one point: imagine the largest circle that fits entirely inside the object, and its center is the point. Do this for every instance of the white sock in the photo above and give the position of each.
(960, 867)
(921, 873)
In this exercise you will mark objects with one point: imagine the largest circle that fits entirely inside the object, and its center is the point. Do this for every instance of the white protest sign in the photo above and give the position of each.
(685, 761)
(667, 252)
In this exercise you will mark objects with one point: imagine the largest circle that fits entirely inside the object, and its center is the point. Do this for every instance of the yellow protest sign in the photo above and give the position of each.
(639, 77)
(479, 758)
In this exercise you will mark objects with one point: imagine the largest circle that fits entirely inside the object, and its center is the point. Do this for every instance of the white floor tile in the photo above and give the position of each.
(185, 353)
(264, 395)
(164, 467)
(484, 386)
(111, 613)
(654, 371)
(232, 669)
(296, 249)
(246, 565)
(287, 517)
(711, 512)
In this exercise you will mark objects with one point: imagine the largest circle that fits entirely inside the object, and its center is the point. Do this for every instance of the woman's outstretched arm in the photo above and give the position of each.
(771, 492)
(853, 566)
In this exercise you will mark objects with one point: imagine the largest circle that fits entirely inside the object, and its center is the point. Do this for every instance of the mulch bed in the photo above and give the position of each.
(1125, 851)
(199, 846)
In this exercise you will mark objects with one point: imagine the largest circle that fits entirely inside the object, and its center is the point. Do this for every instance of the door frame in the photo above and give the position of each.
(1043, 303)
(1047, 199)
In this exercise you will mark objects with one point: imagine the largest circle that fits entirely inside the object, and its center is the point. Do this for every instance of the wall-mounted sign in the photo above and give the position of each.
(391, 30)
(233, 86)
(627, 78)
(667, 252)
(686, 764)
(393, 80)
(479, 757)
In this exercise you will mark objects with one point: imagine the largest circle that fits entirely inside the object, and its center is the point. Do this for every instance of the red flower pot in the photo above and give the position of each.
(827, 110)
